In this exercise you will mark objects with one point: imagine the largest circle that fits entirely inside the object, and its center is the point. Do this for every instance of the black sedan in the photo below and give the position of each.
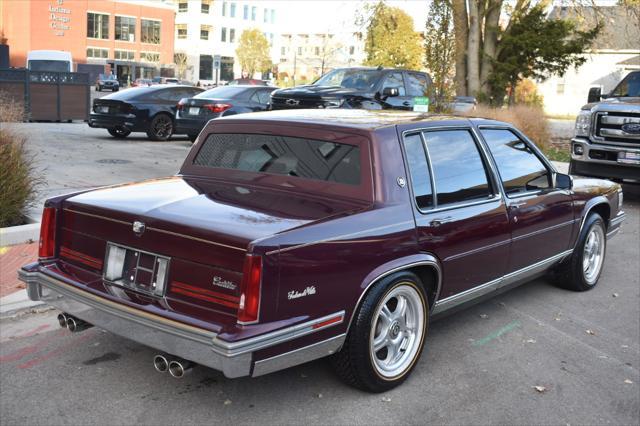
(140, 109)
(107, 81)
(194, 113)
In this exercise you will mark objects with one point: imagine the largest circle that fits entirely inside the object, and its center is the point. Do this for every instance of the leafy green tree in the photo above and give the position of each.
(391, 40)
(253, 52)
(537, 47)
(439, 48)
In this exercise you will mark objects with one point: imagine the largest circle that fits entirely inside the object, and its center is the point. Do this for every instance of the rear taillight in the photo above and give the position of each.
(47, 245)
(181, 104)
(217, 108)
(250, 290)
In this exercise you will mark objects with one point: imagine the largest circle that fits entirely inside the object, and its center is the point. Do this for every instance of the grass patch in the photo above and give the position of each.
(557, 154)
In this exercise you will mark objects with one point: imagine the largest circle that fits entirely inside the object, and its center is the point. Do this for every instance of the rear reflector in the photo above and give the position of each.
(47, 244)
(204, 294)
(328, 322)
(92, 262)
(250, 290)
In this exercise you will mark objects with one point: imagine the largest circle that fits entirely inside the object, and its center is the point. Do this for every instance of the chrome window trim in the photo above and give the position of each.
(496, 188)
(543, 159)
(433, 263)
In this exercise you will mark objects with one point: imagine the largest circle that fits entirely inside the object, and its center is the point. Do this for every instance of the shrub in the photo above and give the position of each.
(19, 180)
(528, 119)
(527, 93)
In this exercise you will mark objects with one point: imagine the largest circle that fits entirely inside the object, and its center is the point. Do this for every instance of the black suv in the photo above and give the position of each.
(367, 88)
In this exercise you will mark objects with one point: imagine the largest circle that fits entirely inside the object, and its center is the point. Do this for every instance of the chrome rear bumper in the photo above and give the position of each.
(234, 359)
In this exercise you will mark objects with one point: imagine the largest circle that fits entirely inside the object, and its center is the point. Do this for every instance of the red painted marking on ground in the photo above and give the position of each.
(33, 332)
(21, 353)
(51, 354)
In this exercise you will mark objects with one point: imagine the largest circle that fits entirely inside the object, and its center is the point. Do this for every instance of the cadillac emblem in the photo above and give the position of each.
(631, 128)
(138, 228)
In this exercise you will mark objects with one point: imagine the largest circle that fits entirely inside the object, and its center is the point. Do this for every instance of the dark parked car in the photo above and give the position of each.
(290, 236)
(107, 81)
(194, 113)
(140, 109)
(462, 104)
(362, 88)
(142, 82)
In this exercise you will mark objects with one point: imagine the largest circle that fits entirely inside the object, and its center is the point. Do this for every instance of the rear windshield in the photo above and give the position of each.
(282, 155)
(221, 92)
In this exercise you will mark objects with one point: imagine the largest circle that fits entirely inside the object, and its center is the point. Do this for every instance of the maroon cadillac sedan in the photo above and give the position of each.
(293, 235)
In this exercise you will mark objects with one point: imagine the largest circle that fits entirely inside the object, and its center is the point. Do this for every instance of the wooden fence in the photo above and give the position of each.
(47, 95)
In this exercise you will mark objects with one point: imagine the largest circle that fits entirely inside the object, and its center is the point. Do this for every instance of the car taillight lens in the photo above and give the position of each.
(217, 107)
(250, 290)
(47, 245)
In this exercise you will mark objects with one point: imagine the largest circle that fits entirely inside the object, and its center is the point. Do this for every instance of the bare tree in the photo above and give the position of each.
(181, 61)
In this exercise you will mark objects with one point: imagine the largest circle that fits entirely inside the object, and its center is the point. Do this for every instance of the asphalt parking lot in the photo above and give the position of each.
(480, 366)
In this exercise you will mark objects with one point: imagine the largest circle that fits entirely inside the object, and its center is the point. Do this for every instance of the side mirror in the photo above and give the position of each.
(390, 92)
(595, 95)
(563, 181)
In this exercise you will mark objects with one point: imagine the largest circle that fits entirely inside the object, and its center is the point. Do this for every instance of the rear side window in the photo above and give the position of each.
(458, 169)
(282, 155)
(419, 171)
(519, 167)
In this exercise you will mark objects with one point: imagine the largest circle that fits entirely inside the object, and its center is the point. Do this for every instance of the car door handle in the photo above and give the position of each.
(517, 205)
(440, 220)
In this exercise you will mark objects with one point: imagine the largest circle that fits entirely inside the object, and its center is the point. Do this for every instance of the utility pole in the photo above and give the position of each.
(295, 64)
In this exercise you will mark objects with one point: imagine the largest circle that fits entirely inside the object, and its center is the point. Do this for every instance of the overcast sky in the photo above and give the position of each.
(336, 15)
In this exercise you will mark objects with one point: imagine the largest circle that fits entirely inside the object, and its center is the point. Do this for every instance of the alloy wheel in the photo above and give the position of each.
(397, 330)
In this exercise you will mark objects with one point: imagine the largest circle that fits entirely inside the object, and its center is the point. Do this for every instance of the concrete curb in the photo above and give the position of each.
(19, 234)
(15, 303)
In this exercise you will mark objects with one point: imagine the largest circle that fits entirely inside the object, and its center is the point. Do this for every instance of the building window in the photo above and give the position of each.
(317, 51)
(150, 57)
(232, 35)
(271, 38)
(181, 30)
(223, 34)
(232, 10)
(124, 55)
(299, 50)
(224, 8)
(266, 16)
(273, 16)
(97, 53)
(97, 25)
(283, 51)
(125, 28)
(204, 32)
(560, 88)
(254, 12)
(204, 6)
(150, 31)
(183, 6)
(246, 12)
(206, 67)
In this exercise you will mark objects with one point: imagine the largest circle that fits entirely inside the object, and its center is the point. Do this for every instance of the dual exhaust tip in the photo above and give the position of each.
(177, 367)
(72, 323)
